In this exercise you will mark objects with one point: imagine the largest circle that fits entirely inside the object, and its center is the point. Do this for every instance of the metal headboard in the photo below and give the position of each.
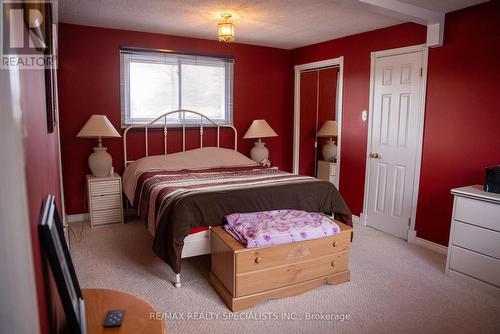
(183, 125)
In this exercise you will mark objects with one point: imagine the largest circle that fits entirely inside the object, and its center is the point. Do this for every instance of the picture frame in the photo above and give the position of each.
(57, 252)
(50, 71)
(44, 37)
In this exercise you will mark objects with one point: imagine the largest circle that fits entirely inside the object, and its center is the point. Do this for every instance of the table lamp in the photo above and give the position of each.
(329, 129)
(259, 129)
(98, 126)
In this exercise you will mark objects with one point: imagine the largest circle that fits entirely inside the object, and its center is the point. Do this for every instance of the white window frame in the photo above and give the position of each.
(126, 120)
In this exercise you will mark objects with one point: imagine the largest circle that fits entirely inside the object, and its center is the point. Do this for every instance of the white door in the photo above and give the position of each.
(393, 146)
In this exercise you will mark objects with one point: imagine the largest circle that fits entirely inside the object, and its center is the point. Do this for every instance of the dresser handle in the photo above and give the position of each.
(333, 263)
(258, 259)
(334, 244)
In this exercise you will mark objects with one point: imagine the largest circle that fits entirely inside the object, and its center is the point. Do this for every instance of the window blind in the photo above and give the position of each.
(153, 82)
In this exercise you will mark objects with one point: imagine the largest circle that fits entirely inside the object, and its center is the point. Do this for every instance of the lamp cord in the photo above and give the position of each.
(79, 237)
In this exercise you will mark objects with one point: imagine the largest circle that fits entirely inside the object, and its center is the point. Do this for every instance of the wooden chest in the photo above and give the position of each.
(244, 277)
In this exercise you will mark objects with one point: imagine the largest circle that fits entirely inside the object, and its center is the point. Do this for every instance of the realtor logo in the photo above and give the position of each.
(27, 34)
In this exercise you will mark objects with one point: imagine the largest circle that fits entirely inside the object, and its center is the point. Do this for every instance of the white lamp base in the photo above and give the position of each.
(329, 151)
(259, 153)
(100, 162)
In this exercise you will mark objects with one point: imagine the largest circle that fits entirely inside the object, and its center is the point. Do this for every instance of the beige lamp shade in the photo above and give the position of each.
(259, 129)
(98, 126)
(329, 129)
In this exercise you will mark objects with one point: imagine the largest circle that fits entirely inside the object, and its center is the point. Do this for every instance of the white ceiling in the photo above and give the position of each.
(283, 24)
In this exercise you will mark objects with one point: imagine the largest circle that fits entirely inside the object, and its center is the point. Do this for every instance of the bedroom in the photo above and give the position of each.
(400, 279)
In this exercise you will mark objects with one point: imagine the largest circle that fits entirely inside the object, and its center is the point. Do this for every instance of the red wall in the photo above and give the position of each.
(462, 114)
(462, 108)
(89, 83)
(42, 178)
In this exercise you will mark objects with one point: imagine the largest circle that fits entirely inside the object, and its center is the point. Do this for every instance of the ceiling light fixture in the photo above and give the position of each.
(225, 28)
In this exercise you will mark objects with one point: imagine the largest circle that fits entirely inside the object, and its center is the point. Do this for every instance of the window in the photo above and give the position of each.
(155, 82)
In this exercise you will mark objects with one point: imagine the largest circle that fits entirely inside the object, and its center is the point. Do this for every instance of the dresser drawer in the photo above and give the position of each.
(477, 239)
(106, 187)
(109, 216)
(476, 265)
(262, 258)
(478, 213)
(262, 280)
(106, 202)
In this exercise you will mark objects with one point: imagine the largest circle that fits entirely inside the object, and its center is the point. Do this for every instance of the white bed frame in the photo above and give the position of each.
(197, 243)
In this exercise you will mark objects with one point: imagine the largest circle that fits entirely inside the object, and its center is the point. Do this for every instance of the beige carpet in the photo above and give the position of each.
(394, 288)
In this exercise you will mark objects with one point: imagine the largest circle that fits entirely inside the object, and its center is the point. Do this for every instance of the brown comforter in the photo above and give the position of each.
(174, 202)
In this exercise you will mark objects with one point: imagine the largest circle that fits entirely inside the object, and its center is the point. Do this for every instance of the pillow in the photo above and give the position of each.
(200, 158)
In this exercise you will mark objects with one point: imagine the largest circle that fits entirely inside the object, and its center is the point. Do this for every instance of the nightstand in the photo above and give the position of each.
(328, 171)
(105, 200)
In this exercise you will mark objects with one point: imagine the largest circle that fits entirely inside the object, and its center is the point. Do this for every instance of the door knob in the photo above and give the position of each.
(375, 155)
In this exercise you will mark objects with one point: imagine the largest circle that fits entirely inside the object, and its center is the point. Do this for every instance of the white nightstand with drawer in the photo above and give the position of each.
(328, 171)
(105, 200)
(474, 248)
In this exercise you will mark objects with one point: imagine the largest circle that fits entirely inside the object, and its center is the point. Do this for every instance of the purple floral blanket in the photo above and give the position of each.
(267, 228)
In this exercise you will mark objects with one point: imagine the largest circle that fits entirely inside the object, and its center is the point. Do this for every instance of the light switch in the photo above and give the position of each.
(364, 115)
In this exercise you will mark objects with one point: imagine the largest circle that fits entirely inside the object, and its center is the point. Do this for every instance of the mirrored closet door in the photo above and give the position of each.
(318, 126)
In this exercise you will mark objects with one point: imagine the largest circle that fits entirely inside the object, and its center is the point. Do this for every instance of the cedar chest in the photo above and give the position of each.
(244, 276)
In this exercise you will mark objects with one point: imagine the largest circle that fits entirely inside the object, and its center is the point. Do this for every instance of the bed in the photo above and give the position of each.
(181, 195)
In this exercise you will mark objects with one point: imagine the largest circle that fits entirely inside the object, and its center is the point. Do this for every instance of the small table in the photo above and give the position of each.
(328, 171)
(105, 200)
(137, 317)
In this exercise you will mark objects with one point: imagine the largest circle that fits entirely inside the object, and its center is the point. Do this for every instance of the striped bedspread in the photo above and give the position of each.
(155, 191)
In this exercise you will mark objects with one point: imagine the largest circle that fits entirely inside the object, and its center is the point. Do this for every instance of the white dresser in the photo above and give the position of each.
(105, 199)
(328, 171)
(474, 248)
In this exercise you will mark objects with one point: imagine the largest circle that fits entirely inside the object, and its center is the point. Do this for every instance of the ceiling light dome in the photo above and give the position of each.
(225, 28)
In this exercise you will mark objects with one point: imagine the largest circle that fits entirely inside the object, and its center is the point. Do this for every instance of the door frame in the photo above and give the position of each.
(424, 49)
(18, 288)
(296, 107)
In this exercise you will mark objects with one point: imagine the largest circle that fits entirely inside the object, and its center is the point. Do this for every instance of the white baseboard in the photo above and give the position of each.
(80, 217)
(431, 245)
(355, 219)
(412, 236)
(362, 219)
